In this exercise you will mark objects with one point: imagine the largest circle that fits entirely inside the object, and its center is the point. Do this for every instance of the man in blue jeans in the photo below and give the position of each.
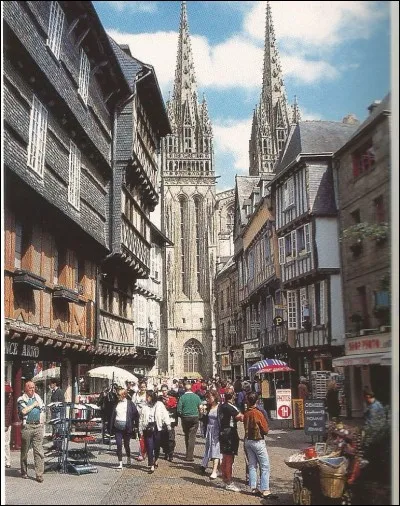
(188, 410)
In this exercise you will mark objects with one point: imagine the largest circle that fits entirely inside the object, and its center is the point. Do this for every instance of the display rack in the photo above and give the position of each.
(71, 417)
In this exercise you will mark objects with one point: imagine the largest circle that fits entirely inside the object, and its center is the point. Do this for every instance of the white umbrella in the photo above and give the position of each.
(47, 374)
(112, 373)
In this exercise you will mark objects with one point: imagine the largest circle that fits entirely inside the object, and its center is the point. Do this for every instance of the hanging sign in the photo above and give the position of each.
(283, 404)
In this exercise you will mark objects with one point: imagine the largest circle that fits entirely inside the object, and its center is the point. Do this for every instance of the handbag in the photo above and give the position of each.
(150, 428)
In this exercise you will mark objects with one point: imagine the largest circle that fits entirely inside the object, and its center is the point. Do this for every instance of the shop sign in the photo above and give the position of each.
(22, 350)
(368, 344)
(237, 357)
(252, 351)
(283, 404)
(314, 417)
(225, 362)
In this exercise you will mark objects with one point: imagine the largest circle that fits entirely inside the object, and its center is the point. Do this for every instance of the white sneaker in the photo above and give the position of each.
(232, 487)
(128, 462)
(213, 476)
(119, 466)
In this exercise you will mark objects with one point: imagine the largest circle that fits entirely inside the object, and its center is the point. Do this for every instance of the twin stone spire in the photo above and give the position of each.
(272, 116)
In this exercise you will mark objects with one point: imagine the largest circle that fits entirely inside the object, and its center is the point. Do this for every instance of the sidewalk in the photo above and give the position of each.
(173, 483)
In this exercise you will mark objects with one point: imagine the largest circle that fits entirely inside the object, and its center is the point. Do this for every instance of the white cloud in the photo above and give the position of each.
(121, 6)
(232, 137)
(307, 115)
(146, 48)
(315, 23)
(307, 71)
(235, 63)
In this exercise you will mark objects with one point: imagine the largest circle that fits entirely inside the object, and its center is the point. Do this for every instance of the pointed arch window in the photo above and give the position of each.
(197, 217)
(230, 217)
(193, 356)
(183, 253)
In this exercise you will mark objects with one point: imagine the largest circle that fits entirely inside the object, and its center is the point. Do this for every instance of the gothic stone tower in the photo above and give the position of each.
(188, 219)
(271, 118)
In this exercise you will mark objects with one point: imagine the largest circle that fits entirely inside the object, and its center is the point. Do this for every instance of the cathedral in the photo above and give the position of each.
(188, 198)
(199, 221)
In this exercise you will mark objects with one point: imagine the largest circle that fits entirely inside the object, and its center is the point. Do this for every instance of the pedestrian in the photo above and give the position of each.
(170, 401)
(152, 418)
(140, 400)
(31, 411)
(332, 403)
(302, 388)
(228, 416)
(124, 420)
(255, 428)
(8, 404)
(132, 389)
(57, 397)
(221, 390)
(237, 386)
(374, 409)
(188, 410)
(212, 448)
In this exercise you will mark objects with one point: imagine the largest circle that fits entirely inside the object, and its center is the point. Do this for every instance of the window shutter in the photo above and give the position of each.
(294, 246)
(292, 309)
(322, 296)
(312, 305)
(291, 191)
(281, 245)
(307, 239)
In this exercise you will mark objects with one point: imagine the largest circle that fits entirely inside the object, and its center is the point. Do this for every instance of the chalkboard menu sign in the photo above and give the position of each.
(314, 417)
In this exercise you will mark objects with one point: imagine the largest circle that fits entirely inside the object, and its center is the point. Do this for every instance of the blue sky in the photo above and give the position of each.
(335, 58)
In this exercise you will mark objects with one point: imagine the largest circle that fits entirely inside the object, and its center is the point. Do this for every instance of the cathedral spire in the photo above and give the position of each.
(271, 122)
(185, 88)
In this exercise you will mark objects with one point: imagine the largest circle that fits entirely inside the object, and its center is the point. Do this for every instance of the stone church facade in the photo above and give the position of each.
(188, 219)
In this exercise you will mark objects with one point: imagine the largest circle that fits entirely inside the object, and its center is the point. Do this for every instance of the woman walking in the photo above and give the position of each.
(228, 416)
(123, 420)
(152, 418)
(212, 448)
(256, 427)
(332, 403)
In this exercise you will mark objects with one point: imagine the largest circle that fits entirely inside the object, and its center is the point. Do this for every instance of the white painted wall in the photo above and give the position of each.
(327, 241)
(337, 311)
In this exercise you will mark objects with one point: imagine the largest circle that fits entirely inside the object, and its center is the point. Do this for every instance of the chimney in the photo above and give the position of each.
(374, 104)
(350, 119)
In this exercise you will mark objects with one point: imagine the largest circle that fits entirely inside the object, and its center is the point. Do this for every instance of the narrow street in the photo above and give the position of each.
(178, 482)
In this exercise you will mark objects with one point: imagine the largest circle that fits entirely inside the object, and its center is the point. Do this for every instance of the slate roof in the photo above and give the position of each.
(244, 187)
(384, 107)
(149, 87)
(129, 65)
(314, 138)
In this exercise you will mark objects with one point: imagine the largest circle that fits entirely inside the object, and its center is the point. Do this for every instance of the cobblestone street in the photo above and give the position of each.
(178, 482)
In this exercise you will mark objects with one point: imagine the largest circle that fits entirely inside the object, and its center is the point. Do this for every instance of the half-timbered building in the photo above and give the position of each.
(308, 241)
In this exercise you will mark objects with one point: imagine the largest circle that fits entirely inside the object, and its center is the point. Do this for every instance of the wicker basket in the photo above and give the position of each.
(302, 464)
(332, 483)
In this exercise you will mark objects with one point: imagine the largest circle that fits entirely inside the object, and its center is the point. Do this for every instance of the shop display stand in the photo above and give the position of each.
(72, 460)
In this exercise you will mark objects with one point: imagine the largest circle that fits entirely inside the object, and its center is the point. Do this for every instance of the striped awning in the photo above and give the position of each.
(269, 365)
